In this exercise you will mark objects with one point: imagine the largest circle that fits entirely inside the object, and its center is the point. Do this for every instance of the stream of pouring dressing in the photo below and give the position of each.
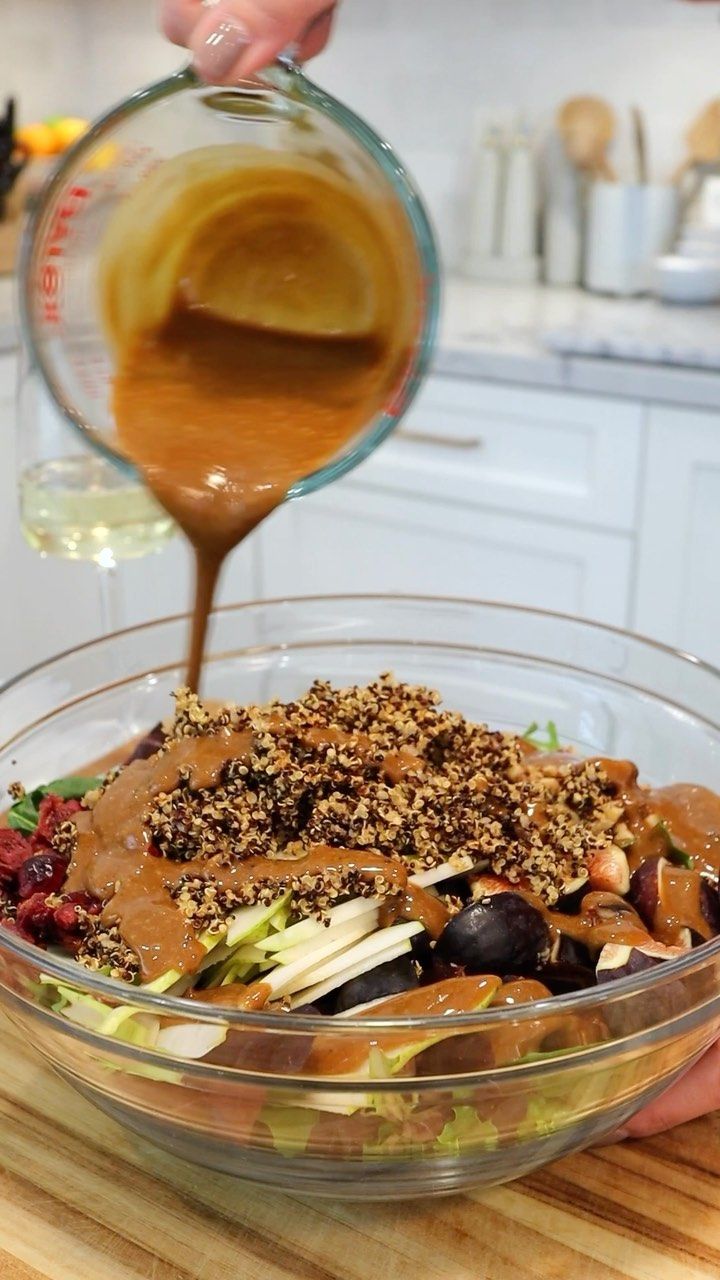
(262, 310)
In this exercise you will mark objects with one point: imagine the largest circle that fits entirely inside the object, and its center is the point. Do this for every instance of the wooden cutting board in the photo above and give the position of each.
(82, 1200)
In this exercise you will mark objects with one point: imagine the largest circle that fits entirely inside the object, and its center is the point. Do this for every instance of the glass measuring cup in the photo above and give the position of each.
(279, 110)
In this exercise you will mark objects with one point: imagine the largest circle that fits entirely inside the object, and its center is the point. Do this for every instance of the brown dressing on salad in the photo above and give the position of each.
(335, 1055)
(692, 817)
(114, 860)
(679, 905)
(514, 1040)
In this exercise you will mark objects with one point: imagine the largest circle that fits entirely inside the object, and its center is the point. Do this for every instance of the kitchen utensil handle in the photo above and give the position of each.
(434, 438)
(682, 170)
(640, 138)
(605, 170)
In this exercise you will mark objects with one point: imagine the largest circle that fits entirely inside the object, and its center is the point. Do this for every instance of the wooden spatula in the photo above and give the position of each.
(587, 127)
(703, 141)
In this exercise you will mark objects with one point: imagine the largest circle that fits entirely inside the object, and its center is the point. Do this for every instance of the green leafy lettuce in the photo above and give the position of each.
(24, 814)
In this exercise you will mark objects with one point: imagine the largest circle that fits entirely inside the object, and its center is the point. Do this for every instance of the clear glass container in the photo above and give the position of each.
(249, 1104)
(279, 110)
(73, 502)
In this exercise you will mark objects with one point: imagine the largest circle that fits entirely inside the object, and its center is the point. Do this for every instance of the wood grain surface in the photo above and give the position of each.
(82, 1200)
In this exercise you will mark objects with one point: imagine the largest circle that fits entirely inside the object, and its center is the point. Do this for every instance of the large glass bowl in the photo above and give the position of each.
(254, 1111)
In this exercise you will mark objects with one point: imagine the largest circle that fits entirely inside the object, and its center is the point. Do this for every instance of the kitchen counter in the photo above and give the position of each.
(80, 1197)
(513, 334)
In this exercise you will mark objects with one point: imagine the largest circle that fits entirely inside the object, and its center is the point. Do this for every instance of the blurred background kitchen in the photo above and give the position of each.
(566, 451)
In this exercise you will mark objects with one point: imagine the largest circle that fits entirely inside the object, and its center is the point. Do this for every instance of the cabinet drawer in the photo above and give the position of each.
(354, 539)
(564, 456)
(679, 545)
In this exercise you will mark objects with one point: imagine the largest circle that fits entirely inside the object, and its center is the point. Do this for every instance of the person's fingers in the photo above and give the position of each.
(317, 37)
(178, 18)
(696, 1094)
(234, 38)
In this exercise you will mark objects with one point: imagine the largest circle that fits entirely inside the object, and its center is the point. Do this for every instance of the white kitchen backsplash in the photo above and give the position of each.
(420, 70)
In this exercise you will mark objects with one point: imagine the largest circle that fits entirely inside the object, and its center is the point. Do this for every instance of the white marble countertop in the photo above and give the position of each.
(511, 334)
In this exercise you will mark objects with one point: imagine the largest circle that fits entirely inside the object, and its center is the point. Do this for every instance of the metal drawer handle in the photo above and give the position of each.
(445, 442)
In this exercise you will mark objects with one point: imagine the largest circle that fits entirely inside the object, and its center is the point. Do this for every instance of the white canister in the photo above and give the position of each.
(485, 205)
(562, 217)
(518, 230)
(629, 226)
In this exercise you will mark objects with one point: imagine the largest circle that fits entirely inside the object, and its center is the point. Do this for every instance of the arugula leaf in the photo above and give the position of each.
(673, 854)
(24, 814)
(550, 742)
(71, 788)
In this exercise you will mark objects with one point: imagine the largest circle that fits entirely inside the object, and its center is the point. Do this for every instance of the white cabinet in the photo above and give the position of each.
(350, 538)
(678, 588)
(556, 455)
(506, 494)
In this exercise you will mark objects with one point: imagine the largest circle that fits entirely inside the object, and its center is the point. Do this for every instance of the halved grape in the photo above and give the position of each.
(500, 934)
(387, 979)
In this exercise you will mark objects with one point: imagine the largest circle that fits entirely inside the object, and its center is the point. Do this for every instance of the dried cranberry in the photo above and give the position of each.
(52, 812)
(35, 919)
(70, 918)
(43, 873)
(84, 900)
(14, 849)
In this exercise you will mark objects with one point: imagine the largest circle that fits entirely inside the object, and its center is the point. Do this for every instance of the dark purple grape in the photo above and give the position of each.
(564, 978)
(422, 951)
(710, 904)
(644, 893)
(568, 951)
(659, 1004)
(570, 967)
(500, 934)
(570, 903)
(388, 979)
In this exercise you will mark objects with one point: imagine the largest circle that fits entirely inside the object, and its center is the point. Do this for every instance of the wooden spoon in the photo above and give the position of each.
(703, 140)
(587, 127)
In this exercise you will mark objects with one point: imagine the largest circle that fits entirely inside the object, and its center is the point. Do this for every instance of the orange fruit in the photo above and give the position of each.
(37, 139)
(68, 129)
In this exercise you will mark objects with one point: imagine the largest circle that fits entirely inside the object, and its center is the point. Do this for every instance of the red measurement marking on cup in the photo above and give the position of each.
(51, 274)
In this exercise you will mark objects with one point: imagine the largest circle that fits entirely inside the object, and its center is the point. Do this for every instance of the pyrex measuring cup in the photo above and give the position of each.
(280, 110)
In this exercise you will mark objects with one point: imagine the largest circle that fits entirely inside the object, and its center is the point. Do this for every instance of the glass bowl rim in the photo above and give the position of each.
(580, 1001)
(280, 75)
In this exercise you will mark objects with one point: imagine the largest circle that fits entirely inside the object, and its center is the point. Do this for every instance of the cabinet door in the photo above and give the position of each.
(528, 452)
(352, 539)
(678, 590)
